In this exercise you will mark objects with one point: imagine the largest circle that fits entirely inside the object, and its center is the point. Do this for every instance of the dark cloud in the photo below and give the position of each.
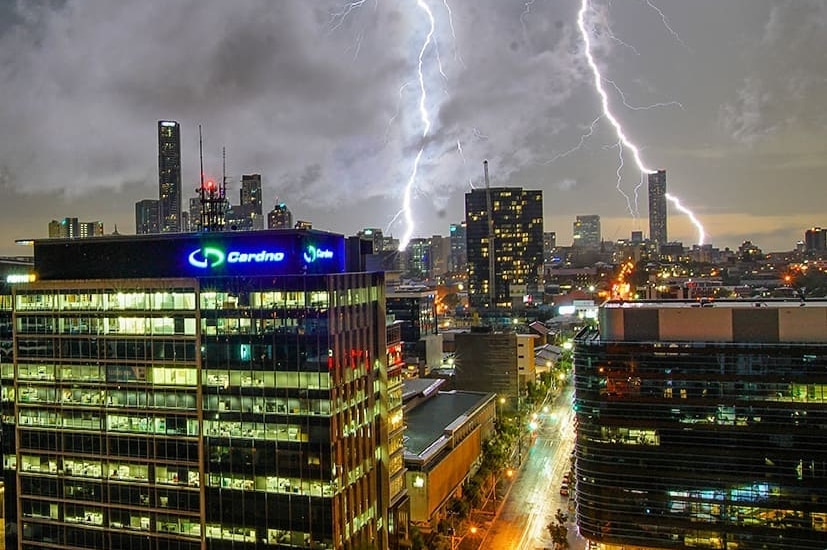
(323, 101)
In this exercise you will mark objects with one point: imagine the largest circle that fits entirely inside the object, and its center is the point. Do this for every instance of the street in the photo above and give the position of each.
(534, 497)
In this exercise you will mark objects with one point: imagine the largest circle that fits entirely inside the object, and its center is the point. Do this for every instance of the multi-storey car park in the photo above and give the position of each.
(198, 391)
(703, 425)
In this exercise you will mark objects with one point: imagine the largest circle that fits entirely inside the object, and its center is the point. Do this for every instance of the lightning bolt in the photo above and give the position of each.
(666, 23)
(623, 140)
(425, 119)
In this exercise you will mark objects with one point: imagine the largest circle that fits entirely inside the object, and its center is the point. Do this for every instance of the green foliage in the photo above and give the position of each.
(558, 530)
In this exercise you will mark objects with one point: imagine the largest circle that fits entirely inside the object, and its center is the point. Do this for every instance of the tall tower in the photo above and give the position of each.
(516, 257)
(169, 176)
(657, 207)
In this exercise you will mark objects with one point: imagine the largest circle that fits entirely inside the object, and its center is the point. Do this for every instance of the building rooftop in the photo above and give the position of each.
(428, 422)
(735, 304)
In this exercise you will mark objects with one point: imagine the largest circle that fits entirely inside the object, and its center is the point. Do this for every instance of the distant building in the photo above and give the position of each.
(815, 240)
(67, 228)
(586, 231)
(251, 200)
(703, 425)
(375, 236)
(146, 216)
(517, 223)
(458, 259)
(169, 176)
(549, 245)
(657, 207)
(71, 228)
(418, 258)
(280, 217)
(195, 211)
(440, 256)
(90, 229)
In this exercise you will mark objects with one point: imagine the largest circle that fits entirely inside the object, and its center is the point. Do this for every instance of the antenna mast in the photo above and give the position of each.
(491, 294)
(212, 196)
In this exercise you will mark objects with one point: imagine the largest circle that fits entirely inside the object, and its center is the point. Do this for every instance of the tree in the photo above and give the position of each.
(558, 530)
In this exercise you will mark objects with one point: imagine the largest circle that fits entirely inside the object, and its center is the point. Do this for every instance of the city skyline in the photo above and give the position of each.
(283, 88)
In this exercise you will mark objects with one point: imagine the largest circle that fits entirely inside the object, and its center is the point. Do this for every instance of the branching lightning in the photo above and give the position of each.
(623, 140)
(425, 119)
(666, 23)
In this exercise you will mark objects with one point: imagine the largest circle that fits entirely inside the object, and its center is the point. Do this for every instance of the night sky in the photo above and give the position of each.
(323, 99)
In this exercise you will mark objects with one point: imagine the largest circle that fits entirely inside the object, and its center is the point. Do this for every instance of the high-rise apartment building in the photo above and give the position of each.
(517, 225)
(169, 176)
(146, 216)
(71, 228)
(703, 425)
(90, 229)
(586, 231)
(657, 207)
(192, 391)
(280, 217)
(67, 228)
(458, 258)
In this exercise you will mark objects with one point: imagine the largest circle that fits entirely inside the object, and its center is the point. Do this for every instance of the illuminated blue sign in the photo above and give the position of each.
(211, 257)
(312, 254)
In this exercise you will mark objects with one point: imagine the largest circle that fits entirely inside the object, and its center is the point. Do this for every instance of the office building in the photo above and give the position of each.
(517, 255)
(191, 391)
(657, 207)
(586, 231)
(447, 432)
(146, 216)
(374, 236)
(415, 310)
(417, 258)
(498, 362)
(169, 176)
(280, 217)
(703, 425)
(458, 258)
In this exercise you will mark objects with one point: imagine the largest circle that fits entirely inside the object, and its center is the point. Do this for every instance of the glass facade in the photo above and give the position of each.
(701, 444)
(223, 412)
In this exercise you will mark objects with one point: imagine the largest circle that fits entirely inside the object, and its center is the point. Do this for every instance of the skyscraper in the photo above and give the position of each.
(586, 231)
(657, 207)
(250, 205)
(517, 216)
(228, 393)
(169, 176)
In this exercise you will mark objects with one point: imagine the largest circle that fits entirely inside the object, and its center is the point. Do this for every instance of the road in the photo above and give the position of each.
(535, 496)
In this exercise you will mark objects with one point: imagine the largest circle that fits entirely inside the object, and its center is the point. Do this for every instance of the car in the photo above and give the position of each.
(566, 477)
(564, 491)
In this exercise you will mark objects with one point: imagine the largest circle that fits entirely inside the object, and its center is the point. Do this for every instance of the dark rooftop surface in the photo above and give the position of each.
(427, 421)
